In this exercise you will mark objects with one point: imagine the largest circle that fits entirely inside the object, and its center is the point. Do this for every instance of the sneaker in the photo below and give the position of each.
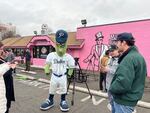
(64, 106)
(47, 105)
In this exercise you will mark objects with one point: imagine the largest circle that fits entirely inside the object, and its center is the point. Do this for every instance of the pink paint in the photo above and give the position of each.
(38, 62)
(40, 40)
(139, 29)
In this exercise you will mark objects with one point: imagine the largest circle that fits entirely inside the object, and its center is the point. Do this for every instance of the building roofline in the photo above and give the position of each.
(115, 23)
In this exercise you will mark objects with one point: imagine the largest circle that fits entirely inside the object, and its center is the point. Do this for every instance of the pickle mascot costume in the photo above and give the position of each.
(60, 64)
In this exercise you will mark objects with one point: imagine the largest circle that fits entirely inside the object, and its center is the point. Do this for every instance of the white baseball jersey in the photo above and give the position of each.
(59, 66)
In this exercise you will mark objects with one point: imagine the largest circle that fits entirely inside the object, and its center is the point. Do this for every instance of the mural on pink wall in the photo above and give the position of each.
(139, 29)
(97, 50)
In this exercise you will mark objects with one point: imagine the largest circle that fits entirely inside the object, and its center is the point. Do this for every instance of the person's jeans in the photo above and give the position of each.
(111, 101)
(122, 108)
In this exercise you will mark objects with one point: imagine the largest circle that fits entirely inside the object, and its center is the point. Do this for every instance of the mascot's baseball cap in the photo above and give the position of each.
(61, 36)
(125, 36)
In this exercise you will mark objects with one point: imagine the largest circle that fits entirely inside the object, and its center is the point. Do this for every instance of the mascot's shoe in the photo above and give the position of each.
(64, 106)
(47, 105)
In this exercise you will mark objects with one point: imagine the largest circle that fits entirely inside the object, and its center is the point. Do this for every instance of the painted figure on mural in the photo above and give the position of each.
(97, 51)
(57, 64)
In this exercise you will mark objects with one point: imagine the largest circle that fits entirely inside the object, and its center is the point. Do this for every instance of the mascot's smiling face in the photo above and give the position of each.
(61, 39)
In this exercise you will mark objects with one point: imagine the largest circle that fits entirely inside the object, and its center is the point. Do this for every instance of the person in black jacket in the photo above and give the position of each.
(28, 60)
(8, 79)
(6, 84)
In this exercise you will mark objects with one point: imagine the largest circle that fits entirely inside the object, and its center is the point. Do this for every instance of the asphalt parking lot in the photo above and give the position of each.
(31, 93)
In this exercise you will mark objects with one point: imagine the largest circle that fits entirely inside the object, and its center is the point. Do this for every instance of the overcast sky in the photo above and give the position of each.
(29, 15)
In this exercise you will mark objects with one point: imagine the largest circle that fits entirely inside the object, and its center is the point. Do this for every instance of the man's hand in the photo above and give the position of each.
(13, 66)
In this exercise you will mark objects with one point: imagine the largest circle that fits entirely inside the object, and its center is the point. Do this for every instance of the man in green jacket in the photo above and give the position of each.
(127, 86)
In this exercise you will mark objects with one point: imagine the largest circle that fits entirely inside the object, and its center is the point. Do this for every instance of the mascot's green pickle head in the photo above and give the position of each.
(61, 39)
(61, 46)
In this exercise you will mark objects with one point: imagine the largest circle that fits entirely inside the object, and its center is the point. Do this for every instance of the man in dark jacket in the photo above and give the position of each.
(127, 86)
(28, 59)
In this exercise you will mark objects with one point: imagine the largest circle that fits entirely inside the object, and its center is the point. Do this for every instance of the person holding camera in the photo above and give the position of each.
(6, 83)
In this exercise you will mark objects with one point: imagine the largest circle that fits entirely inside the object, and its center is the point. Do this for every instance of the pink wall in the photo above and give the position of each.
(139, 29)
(38, 62)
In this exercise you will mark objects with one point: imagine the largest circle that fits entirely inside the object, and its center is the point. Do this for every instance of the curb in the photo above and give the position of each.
(84, 90)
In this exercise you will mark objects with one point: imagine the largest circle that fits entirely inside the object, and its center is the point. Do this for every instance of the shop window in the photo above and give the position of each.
(42, 51)
(18, 51)
(22, 52)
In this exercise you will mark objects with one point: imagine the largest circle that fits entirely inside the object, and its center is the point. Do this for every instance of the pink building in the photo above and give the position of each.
(81, 42)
